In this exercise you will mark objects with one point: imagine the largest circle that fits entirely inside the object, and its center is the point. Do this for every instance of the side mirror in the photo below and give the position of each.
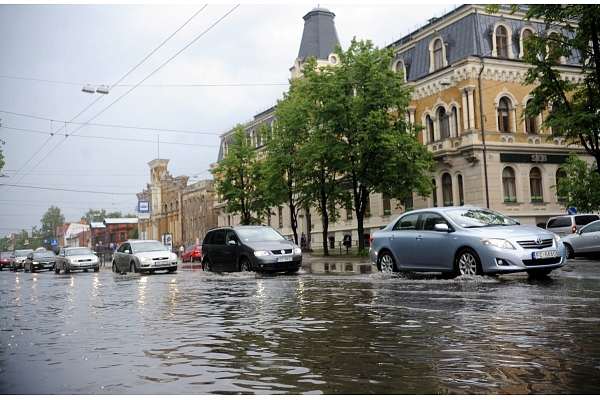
(441, 228)
(232, 243)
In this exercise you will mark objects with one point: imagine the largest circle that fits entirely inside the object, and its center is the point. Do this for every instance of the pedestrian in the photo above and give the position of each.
(303, 241)
(181, 250)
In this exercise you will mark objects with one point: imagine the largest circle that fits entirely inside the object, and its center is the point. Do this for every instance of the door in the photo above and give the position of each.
(434, 250)
(402, 241)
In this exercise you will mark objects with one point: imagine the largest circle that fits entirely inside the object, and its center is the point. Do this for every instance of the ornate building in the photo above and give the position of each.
(185, 212)
(467, 72)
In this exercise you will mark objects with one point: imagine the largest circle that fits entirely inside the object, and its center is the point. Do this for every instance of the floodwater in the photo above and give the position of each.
(330, 329)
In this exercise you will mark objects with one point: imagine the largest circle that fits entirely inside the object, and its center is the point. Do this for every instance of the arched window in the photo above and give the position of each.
(444, 121)
(430, 130)
(508, 185)
(501, 41)
(535, 184)
(561, 195)
(461, 191)
(531, 123)
(503, 115)
(438, 54)
(554, 49)
(400, 68)
(434, 194)
(526, 34)
(447, 189)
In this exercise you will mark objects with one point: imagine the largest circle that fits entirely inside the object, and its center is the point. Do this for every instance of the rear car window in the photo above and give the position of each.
(559, 222)
(585, 219)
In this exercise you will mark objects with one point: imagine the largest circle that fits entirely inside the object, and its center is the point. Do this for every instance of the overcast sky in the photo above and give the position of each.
(184, 75)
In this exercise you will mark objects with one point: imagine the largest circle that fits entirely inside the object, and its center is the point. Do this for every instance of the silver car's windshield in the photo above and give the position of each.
(77, 252)
(22, 253)
(476, 218)
(143, 247)
(259, 234)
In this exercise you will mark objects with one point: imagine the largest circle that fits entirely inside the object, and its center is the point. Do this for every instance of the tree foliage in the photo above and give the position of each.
(237, 179)
(582, 185)
(52, 219)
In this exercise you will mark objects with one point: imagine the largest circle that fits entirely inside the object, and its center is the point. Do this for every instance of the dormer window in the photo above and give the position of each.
(501, 40)
(437, 54)
(526, 33)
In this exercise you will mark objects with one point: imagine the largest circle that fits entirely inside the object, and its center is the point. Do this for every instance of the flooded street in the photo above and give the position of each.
(330, 329)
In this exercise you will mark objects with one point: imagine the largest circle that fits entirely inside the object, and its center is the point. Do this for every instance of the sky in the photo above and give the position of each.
(179, 77)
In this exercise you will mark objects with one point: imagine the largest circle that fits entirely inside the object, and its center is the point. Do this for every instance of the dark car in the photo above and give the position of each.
(249, 248)
(17, 258)
(39, 260)
(144, 256)
(5, 259)
(192, 253)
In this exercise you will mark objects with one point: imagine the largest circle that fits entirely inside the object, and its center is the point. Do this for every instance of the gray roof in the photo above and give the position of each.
(319, 37)
(120, 221)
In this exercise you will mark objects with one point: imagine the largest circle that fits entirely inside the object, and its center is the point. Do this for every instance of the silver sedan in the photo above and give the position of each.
(465, 241)
(144, 256)
(584, 242)
(76, 258)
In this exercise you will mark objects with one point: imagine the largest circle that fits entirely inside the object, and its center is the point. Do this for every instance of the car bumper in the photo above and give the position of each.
(496, 261)
(278, 264)
(152, 266)
(82, 266)
(39, 267)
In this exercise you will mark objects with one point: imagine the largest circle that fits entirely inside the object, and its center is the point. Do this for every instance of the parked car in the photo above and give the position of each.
(17, 258)
(5, 259)
(76, 258)
(39, 260)
(143, 256)
(568, 224)
(584, 242)
(192, 253)
(465, 240)
(249, 248)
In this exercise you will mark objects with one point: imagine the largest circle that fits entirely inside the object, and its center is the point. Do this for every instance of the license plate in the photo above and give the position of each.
(161, 263)
(537, 255)
(284, 259)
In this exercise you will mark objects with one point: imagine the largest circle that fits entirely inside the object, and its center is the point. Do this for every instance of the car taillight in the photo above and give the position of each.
(573, 229)
(371, 239)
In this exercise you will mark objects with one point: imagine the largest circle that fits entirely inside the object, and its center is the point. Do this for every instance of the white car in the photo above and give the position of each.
(76, 258)
(144, 256)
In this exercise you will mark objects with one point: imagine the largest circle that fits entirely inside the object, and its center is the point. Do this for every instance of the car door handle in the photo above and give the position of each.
(419, 237)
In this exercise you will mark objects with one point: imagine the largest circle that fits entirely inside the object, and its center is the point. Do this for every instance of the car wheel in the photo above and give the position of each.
(56, 270)
(96, 269)
(206, 266)
(569, 251)
(386, 263)
(66, 268)
(467, 263)
(539, 273)
(114, 267)
(245, 265)
(132, 268)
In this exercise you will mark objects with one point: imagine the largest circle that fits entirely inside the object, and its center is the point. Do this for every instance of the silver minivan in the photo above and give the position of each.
(568, 224)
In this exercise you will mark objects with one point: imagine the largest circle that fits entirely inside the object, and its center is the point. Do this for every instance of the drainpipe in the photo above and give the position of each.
(487, 194)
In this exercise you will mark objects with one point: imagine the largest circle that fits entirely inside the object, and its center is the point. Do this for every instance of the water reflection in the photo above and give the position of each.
(334, 332)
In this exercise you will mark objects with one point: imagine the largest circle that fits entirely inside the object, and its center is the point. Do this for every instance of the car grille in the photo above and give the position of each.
(80, 260)
(159, 258)
(531, 244)
(282, 251)
(543, 261)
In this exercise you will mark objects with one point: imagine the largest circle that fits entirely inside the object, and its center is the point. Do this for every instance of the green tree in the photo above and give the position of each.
(571, 34)
(94, 216)
(381, 152)
(581, 186)
(52, 219)
(133, 234)
(234, 177)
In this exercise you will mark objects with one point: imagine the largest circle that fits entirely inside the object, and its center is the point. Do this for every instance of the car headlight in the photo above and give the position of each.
(173, 256)
(261, 253)
(297, 250)
(500, 243)
(557, 238)
(35, 262)
(145, 259)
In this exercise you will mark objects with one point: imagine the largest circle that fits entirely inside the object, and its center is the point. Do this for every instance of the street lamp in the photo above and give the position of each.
(91, 89)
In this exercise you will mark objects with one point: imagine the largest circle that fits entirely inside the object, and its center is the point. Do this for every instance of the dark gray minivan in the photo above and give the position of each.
(249, 248)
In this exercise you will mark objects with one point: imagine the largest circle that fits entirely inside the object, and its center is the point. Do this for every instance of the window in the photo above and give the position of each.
(530, 123)
(434, 193)
(408, 203)
(348, 212)
(501, 42)
(430, 130)
(554, 49)
(561, 195)
(456, 121)
(447, 189)
(429, 220)
(400, 68)
(438, 54)
(407, 222)
(280, 216)
(444, 121)
(535, 184)
(387, 207)
(508, 185)
(503, 119)
(527, 33)
(461, 191)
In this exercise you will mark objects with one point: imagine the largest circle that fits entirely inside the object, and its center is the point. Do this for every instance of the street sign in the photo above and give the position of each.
(54, 242)
(572, 210)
